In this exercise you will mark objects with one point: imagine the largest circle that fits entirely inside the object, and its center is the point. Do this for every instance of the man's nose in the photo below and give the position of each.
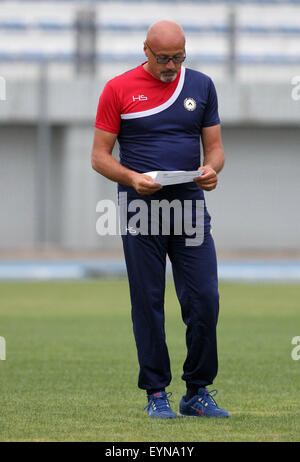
(171, 65)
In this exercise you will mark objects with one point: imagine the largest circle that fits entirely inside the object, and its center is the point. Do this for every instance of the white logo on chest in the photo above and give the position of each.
(139, 98)
(190, 104)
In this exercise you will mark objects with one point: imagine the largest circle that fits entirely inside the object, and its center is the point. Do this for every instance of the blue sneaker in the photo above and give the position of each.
(158, 406)
(202, 405)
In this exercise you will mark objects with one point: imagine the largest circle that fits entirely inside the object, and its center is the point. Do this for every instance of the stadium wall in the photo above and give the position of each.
(255, 206)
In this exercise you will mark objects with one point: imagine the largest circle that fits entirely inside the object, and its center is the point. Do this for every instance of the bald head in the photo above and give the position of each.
(166, 34)
(165, 39)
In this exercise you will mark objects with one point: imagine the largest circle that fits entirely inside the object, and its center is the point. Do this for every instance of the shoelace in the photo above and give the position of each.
(160, 402)
(207, 398)
(210, 396)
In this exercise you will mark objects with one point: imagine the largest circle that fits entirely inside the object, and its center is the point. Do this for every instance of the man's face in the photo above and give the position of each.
(164, 72)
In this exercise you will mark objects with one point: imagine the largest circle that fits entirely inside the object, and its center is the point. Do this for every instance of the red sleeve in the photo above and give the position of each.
(108, 114)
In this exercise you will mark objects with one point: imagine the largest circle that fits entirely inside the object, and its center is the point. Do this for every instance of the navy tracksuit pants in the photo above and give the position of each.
(195, 276)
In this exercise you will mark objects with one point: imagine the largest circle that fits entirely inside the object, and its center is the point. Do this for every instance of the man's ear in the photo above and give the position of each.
(145, 49)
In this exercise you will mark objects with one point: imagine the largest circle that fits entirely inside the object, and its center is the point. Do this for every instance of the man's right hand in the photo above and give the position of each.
(144, 184)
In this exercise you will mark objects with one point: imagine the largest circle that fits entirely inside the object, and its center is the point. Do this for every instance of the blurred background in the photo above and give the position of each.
(55, 57)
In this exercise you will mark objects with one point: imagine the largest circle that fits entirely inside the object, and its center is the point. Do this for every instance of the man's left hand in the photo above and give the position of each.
(208, 180)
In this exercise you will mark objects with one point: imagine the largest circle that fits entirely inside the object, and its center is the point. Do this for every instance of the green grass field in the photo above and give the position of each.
(71, 367)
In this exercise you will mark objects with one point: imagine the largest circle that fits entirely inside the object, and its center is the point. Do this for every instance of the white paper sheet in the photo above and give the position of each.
(166, 177)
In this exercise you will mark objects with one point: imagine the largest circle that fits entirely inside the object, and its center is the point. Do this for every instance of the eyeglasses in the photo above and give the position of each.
(165, 59)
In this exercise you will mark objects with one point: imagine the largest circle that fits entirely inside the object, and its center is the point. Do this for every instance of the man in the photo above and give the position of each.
(158, 112)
